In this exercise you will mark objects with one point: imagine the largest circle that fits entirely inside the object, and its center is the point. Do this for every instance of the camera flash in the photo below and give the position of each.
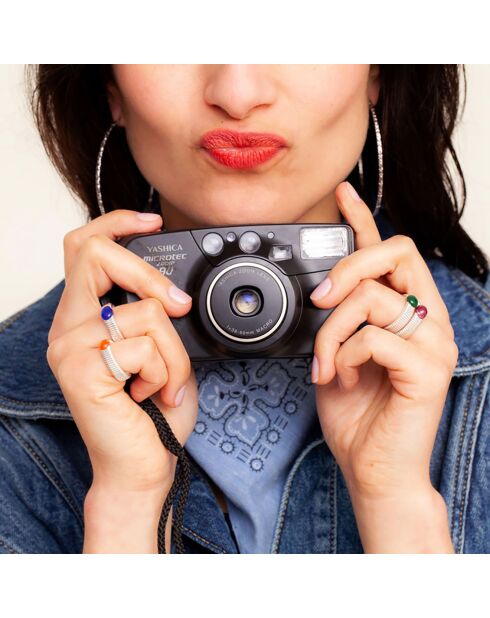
(323, 242)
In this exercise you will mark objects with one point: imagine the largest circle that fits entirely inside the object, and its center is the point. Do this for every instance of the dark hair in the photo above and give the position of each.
(417, 111)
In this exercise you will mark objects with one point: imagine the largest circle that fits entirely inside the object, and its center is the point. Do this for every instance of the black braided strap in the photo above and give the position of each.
(181, 480)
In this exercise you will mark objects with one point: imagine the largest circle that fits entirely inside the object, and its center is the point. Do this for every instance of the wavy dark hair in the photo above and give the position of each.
(417, 110)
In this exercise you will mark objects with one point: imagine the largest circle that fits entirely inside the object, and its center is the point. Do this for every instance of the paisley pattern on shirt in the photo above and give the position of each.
(245, 406)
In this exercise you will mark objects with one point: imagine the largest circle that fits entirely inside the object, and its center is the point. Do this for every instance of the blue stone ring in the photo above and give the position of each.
(107, 314)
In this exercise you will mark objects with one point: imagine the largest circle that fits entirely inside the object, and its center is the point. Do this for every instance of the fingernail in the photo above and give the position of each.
(353, 193)
(321, 290)
(314, 369)
(179, 397)
(148, 216)
(179, 295)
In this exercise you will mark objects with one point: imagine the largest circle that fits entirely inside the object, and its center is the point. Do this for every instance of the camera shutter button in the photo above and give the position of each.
(212, 243)
(249, 242)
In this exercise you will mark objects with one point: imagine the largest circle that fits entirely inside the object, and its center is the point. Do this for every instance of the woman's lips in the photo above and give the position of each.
(243, 158)
(241, 150)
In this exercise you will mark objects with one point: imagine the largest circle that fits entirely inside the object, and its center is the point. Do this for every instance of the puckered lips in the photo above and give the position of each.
(241, 149)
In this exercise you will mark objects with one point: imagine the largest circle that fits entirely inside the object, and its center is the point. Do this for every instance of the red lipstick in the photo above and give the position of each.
(241, 150)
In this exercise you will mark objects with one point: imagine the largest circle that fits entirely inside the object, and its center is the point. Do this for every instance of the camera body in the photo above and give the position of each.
(250, 285)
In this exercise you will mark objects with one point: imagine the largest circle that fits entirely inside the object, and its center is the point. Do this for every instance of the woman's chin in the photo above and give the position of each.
(244, 214)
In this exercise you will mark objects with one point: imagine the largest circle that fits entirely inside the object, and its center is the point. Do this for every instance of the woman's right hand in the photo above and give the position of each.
(125, 450)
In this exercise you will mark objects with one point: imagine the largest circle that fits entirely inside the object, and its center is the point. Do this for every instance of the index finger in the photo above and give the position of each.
(358, 216)
(114, 224)
(100, 263)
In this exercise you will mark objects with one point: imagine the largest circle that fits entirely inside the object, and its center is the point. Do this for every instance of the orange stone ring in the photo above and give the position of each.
(111, 362)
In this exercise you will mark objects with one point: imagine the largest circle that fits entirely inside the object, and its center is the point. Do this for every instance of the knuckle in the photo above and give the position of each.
(62, 372)
(68, 372)
(55, 353)
(432, 372)
(368, 334)
(405, 243)
(148, 346)
(442, 372)
(339, 361)
(50, 357)
(152, 309)
(118, 214)
(71, 240)
(445, 325)
(368, 288)
(453, 353)
(93, 246)
(51, 334)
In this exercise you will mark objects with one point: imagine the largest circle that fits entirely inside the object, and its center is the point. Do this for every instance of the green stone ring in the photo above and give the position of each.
(410, 317)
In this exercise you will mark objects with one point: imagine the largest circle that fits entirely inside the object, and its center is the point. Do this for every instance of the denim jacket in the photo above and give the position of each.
(46, 472)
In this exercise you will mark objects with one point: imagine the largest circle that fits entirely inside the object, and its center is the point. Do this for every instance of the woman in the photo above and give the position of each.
(387, 439)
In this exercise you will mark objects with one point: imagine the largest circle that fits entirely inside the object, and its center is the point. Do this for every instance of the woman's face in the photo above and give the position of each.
(321, 111)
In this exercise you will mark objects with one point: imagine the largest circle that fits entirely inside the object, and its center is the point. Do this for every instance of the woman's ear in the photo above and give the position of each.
(115, 103)
(374, 83)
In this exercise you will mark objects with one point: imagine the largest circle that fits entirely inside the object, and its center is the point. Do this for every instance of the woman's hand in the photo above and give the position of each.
(381, 413)
(131, 468)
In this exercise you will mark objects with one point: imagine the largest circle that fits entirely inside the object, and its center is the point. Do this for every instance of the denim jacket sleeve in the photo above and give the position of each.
(41, 492)
(477, 533)
(477, 530)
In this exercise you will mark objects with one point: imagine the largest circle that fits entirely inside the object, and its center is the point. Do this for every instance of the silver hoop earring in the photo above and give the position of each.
(379, 148)
(98, 169)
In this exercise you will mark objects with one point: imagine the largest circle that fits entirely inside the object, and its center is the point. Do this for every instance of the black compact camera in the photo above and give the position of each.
(250, 285)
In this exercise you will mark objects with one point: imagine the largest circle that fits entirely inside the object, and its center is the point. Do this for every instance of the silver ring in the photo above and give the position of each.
(402, 320)
(107, 314)
(111, 362)
(410, 327)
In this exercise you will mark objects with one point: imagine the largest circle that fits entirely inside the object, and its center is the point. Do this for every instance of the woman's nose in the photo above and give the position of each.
(239, 88)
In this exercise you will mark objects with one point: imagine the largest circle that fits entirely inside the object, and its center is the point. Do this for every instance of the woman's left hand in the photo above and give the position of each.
(381, 413)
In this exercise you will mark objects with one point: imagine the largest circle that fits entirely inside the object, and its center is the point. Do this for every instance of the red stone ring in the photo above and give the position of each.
(419, 313)
(409, 319)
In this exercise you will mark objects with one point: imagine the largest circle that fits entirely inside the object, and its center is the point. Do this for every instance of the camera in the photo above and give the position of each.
(250, 285)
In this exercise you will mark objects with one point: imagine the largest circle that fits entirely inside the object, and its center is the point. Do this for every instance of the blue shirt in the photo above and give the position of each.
(254, 416)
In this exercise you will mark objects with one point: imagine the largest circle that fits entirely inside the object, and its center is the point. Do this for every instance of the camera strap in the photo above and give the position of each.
(181, 483)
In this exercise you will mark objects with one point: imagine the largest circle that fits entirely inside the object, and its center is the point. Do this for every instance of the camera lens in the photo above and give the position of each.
(246, 301)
